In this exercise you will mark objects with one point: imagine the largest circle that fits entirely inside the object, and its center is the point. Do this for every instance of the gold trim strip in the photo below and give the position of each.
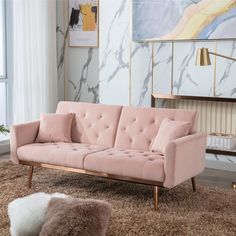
(231, 118)
(130, 52)
(216, 108)
(214, 79)
(172, 68)
(152, 66)
(130, 72)
(93, 173)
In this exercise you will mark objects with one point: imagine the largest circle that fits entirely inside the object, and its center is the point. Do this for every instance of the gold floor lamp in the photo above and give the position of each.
(203, 59)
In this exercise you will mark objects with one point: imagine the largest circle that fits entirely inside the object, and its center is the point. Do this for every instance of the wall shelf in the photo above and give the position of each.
(197, 98)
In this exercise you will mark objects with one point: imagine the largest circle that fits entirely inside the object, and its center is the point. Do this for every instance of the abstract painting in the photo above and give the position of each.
(83, 23)
(183, 19)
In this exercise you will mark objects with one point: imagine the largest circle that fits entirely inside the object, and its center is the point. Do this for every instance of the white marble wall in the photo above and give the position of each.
(226, 70)
(125, 72)
(114, 52)
(78, 68)
(162, 67)
(189, 79)
(62, 34)
(141, 74)
(82, 75)
(129, 72)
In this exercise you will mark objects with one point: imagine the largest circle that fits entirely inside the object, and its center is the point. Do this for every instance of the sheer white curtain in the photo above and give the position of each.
(35, 59)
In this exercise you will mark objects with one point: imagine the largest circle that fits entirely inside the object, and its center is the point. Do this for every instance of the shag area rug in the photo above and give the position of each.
(209, 211)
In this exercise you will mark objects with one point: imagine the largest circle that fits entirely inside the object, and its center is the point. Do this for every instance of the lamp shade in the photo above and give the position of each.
(203, 58)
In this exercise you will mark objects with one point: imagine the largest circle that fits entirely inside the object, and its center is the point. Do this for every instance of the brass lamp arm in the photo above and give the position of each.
(220, 55)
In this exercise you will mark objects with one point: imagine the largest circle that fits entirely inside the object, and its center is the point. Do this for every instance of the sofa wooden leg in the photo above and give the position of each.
(31, 170)
(193, 184)
(155, 196)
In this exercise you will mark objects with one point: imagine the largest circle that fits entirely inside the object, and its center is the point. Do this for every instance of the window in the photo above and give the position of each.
(3, 72)
(2, 40)
(4, 75)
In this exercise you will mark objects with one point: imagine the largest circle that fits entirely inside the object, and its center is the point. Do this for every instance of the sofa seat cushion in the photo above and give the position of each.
(62, 154)
(130, 163)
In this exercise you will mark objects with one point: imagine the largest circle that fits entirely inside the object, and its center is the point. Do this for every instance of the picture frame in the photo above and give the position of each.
(83, 23)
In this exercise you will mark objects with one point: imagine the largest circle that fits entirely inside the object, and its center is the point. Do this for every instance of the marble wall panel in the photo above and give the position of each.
(62, 34)
(114, 55)
(78, 68)
(162, 67)
(226, 70)
(141, 74)
(189, 79)
(120, 71)
(83, 75)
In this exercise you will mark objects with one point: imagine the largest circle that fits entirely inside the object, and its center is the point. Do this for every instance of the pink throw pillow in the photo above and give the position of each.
(169, 130)
(55, 128)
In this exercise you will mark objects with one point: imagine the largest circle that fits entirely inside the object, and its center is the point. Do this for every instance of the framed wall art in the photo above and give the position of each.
(183, 19)
(83, 23)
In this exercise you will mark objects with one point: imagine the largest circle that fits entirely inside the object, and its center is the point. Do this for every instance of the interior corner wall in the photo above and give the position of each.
(130, 72)
(125, 72)
(78, 68)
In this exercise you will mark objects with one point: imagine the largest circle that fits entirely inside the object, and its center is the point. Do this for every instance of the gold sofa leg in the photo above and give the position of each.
(155, 192)
(109, 182)
(193, 184)
(31, 170)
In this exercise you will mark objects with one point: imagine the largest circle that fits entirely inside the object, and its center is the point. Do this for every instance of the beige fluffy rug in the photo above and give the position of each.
(209, 211)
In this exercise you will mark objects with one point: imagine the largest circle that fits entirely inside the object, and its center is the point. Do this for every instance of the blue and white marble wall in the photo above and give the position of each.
(83, 74)
(226, 70)
(62, 34)
(114, 52)
(126, 72)
(195, 80)
(162, 67)
(126, 75)
(125, 67)
(189, 79)
(141, 74)
(78, 68)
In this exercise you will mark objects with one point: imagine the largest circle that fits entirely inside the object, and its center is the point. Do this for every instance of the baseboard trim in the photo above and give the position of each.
(220, 165)
(5, 146)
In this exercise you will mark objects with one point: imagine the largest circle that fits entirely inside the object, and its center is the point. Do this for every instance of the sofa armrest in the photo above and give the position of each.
(184, 158)
(22, 134)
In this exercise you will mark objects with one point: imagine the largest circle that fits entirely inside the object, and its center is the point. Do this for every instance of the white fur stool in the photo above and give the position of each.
(27, 214)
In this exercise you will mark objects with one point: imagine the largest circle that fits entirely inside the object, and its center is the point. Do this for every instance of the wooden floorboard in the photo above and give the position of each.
(210, 177)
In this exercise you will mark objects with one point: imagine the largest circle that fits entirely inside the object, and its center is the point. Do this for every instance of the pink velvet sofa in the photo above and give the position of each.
(114, 142)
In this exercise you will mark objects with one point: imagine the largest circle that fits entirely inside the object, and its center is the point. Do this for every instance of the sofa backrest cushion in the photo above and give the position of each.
(55, 128)
(138, 127)
(93, 123)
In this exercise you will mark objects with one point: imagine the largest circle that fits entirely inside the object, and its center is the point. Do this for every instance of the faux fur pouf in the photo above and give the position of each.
(27, 214)
(76, 217)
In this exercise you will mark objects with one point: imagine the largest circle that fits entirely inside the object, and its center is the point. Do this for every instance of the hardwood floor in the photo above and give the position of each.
(219, 178)
(4, 156)
(210, 177)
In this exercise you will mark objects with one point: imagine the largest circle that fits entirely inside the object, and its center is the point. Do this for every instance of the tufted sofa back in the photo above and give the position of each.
(122, 127)
(93, 123)
(138, 126)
